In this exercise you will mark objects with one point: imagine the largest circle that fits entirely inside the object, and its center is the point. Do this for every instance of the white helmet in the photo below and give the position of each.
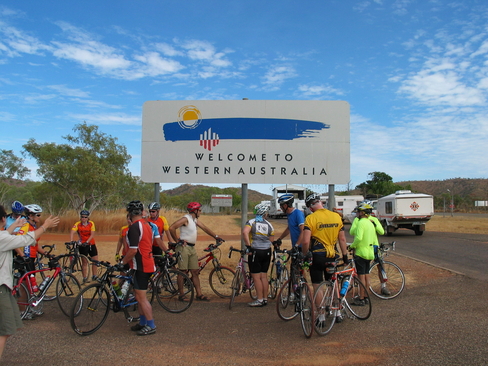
(30, 209)
(261, 209)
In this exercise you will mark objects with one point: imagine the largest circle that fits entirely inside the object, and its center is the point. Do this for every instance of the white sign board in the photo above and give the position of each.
(221, 200)
(246, 141)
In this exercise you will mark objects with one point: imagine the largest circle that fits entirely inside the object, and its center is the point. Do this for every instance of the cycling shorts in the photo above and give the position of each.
(259, 260)
(362, 265)
(141, 280)
(317, 269)
(89, 250)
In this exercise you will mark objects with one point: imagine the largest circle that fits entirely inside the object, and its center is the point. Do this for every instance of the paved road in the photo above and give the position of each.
(462, 253)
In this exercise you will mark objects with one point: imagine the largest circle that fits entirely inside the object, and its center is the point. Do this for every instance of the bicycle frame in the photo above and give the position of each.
(32, 295)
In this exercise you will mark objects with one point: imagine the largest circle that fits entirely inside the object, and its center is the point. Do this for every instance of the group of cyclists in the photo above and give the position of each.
(316, 236)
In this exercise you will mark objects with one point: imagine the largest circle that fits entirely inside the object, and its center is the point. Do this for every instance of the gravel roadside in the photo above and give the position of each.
(440, 319)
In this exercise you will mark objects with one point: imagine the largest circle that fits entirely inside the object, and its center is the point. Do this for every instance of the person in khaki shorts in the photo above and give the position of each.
(188, 262)
(9, 310)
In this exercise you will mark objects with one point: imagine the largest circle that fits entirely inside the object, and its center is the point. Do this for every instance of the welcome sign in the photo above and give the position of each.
(246, 141)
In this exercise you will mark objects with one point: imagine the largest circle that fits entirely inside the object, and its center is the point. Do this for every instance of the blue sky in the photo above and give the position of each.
(414, 72)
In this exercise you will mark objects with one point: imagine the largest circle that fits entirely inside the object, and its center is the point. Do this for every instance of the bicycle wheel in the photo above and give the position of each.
(22, 297)
(325, 301)
(90, 309)
(361, 310)
(130, 304)
(286, 302)
(237, 282)
(67, 288)
(220, 280)
(307, 317)
(252, 289)
(77, 270)
(277, 282)
(168, 292)
(394, 284)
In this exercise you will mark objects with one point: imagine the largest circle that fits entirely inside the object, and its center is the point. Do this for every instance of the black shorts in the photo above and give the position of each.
(317, 269)
(89, 250)
(362, 265)
(259, 260)
(141, 280)
(157, 250)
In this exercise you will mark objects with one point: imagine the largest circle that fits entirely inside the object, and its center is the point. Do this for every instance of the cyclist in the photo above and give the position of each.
(364, 239)
(33, 214)
(296, 220)
(122, 242)
(85, 228)
(322, 230)
(17, 211)
(157, 223)
(9, 315)
(160, 221)
(379, 231)
(188, 225)
(139, 257)
(258, 234)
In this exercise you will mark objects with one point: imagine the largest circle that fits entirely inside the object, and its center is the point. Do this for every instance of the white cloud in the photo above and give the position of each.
(318, 91)
(205, 51)
(276, 75)
(108, 119)
(64, 90)
(156, 65)
(15, 42)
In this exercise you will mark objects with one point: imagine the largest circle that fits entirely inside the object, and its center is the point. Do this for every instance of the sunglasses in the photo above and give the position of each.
(84, 217)
(152, 211)
(38, 215)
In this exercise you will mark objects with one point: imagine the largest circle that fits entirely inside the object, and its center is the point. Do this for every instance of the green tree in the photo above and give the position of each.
(11, 166)
(379, 183)
(90, 169)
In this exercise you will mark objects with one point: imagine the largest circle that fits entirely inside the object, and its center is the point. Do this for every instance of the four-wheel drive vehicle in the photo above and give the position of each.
(404, 209)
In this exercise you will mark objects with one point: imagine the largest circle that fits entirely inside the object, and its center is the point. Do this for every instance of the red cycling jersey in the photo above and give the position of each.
(84, 231)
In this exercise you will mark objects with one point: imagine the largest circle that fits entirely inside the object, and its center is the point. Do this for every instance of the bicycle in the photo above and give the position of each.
(242, 280)
(173, 289)
(341, 292)
(220, 276)
(76, 263)
(30, 299)
(92, 305)
(390, 281)
(295, 295)
(279, 273)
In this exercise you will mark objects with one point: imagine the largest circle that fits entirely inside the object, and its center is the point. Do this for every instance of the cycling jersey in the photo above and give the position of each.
(29, 251)
(84, 231)
(296, 218)
(260, 233)
(161, 223)
(140, 237)
(364, 238)
(325, 226)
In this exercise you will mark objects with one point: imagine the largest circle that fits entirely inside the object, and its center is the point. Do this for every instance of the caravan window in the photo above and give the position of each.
(389, 207)
(340, 203)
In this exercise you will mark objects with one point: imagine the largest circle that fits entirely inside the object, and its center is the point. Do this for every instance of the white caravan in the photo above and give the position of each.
(344, 205)
(404, 209)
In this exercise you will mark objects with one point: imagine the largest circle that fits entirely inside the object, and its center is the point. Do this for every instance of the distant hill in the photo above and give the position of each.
(475, 189)
(191, 189)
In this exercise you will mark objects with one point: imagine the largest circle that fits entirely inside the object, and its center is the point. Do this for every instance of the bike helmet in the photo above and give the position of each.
(84, 213)
(17, 207)
(154, 206)
(311, 199)
(193, 207)
(32, 209)
(365, 207)
(261, 209)
(287, 198)
(135, 207)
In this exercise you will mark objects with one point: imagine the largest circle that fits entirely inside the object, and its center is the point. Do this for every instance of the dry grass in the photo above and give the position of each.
(458, 224)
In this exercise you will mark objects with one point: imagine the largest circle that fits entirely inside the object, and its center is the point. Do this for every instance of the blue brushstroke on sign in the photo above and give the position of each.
(245, 129)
